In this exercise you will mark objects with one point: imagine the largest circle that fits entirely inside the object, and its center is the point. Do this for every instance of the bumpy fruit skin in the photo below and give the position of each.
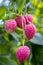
(20, 19)
(29, 18)
(22, 53)
(10, 25)
(30, 31)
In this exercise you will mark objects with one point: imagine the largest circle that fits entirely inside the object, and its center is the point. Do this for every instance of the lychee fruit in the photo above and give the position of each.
(10, 25)
(22, 53)
(29, 18)
(30, 31)
(21, 22)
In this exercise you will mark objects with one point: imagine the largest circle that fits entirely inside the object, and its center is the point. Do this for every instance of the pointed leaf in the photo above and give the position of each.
(37, 39)
(20, 4)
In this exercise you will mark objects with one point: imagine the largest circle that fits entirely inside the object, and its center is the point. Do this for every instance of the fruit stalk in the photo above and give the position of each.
(22, 63)
(23, 33)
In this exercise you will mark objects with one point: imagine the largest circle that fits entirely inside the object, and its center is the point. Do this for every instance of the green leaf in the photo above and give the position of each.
(20, 4)
(3, 10)
(37, 39)
(7, 61)
(27, 5)
(5, 47)
(16, 36)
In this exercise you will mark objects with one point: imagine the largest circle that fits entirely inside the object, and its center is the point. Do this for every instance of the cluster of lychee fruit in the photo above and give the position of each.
(25, 22)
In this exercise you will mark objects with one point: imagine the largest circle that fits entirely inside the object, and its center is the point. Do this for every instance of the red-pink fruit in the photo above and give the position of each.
(30, 31)
(10, 25)
(20, 20)
(22, 53)
(29, 18)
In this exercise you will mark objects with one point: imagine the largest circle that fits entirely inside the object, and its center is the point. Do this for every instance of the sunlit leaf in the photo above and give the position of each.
(20, 4)
(3, 10)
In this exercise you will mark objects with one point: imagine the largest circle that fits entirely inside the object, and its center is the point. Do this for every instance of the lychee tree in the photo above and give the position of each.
(18, 33)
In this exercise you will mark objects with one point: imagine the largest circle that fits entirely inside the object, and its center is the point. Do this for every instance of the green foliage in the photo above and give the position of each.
(6, 61)
(20, 5)
(3, 10)
(38, 39)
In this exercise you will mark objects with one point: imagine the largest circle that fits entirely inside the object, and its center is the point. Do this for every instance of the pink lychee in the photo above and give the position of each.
(29, 18)
(22, 53)
(20, 20)
(10, 25)
(30, 31)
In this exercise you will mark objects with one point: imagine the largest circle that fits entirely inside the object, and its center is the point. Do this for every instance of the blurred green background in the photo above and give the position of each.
(10, 42)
